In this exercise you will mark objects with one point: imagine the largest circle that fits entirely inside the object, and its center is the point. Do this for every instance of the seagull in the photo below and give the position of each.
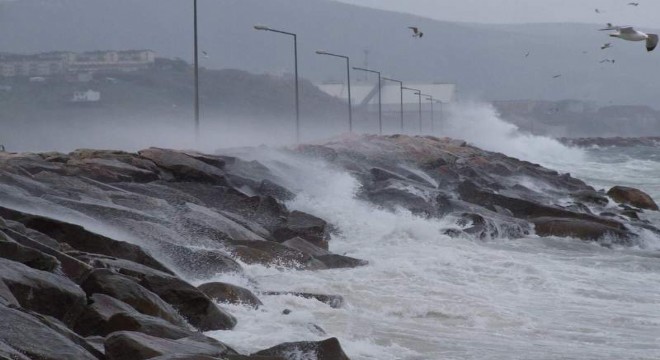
(607, 61)
(556, 76)
(633, 3)
(206, 55)
(416, 32)
(606, 46)
(630, 34)
(597, 11)
(527, 54)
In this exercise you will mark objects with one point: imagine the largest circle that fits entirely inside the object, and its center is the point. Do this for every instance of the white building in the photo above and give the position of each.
(86, 96)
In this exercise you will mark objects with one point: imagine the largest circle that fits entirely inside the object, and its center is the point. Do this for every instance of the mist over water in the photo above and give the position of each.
(427, 296)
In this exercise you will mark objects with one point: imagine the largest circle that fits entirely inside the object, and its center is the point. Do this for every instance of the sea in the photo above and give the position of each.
(425, 295)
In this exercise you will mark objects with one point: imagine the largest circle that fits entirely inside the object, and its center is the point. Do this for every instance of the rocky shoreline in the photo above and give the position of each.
(96, 246)
(612, 141)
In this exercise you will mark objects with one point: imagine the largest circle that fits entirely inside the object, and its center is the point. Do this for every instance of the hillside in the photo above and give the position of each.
(487, 61)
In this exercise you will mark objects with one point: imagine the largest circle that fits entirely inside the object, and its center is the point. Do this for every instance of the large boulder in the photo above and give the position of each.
(192, 303)
(134, 321)
(71, 267)
(184, 167)
(84, 240)
(581, 229)
(306, 226)
(328, 349)
(632, 196)
(123, 345)
(196, 307)
(94, 319)
(43, 292)
(124, 288)
(25, 255)
(228, 293)
(26, 337)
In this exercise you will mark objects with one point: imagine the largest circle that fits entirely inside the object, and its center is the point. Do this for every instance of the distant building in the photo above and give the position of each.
(86, 96)
(60, 63)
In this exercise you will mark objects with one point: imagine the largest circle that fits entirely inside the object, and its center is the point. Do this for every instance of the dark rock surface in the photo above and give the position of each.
(631, 196)
(136, 346)
(228, 293)
(103, 244)
(328, 349)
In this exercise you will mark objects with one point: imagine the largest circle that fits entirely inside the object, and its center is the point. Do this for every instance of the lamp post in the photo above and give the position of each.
(380, 105)
(348, 77)
(419, 94)
(295, 56)
(401, 88)
(196, 56)
(430, 99)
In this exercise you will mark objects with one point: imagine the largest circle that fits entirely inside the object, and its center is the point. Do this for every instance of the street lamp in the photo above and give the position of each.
(196, 56)
(430, 98)
(380, 106)
(295, 56)
(348, 76)
(419, 94)
(401, 88)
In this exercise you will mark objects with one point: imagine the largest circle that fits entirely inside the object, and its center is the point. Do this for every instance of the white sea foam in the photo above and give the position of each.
(427, 296)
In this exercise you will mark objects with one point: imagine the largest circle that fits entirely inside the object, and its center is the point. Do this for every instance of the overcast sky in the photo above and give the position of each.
(528, 11)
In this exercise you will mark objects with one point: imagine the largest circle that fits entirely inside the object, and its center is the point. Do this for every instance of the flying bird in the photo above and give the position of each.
(606, 46)
(416, 32)
(630, 34)
(206, 55)
(607, 61)
(527, 54)
(556, 76)
(597, 11)
(633, 3)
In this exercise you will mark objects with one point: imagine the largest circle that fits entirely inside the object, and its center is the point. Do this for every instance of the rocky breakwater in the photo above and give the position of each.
(96, 247)
(486, 194)
(616, 141)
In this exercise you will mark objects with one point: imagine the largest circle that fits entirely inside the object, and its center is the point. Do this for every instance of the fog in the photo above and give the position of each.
(494, 51)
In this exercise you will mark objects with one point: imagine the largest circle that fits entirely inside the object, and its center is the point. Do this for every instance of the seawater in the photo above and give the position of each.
(427, 296)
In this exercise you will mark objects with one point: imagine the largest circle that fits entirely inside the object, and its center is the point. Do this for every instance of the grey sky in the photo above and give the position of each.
(527, 11)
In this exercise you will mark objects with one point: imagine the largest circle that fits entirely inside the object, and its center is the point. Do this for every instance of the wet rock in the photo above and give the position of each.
(184, 167)
(379, 174)
(306, 226)
(228, 293)
(269, 188)
(69, 266)
(26, 337)
(590, 197)
(84, 240)
(134, 321)
(581, 229)
(524, 209)
(94, 319)
(393, 194)
(110, 170)
(632, 196)
(124, 345)
(306, 247)
(123, 288)
(271, 253)
(28, 256)
(335, 261)
(6, 297)
(286, 312)
(201, 263)
(255, 357)
(335, 301)
(192, 303)
(328, 349)
(42, 291)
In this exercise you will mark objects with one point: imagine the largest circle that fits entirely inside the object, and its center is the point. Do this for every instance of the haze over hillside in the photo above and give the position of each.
(487, 61)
